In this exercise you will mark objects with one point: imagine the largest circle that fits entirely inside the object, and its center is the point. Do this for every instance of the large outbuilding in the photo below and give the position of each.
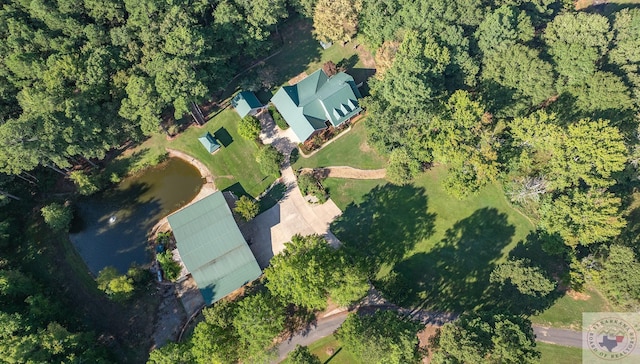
(317, 102)
(212, 248)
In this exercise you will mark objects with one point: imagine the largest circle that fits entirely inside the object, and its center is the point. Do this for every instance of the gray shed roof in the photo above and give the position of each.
(212, 247)
(209, 142)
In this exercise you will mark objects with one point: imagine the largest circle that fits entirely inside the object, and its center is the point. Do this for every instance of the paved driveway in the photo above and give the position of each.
(267, 233)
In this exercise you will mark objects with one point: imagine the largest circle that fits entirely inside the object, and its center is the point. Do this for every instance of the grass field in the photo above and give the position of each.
(233, 166)
(346, 191)
(557, 354)
(567, 311)
(431, 248)
(350, 149)
(340, 355)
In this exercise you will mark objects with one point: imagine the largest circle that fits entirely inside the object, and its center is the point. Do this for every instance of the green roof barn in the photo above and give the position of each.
(308, 105)
(245, 103)
(209, 142)
(212, 247)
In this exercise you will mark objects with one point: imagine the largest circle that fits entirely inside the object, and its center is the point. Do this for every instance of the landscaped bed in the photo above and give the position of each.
(350, 149)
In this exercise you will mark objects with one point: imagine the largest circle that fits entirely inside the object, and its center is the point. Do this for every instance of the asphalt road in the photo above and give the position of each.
(327, 326)
(558, 336)
(323, 328)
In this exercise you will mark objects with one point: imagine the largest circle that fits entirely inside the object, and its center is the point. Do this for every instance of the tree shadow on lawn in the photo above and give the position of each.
(454, 275)
(385, 226)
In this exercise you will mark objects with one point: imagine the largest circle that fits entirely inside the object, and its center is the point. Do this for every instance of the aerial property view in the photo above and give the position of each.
(320, 181)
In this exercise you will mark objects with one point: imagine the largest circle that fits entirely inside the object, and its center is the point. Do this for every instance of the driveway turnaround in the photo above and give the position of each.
(267, 232)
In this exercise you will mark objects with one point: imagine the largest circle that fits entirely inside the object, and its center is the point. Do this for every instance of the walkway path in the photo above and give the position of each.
(348, 172)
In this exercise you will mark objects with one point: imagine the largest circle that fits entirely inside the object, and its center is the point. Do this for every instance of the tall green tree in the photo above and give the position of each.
(476, 339)
(383, 337)
(259, 319)
(577, 41)
(336, 21)
(582, 218)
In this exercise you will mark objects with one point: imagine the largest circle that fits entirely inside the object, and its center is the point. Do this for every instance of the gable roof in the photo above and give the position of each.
(212, 247)
(209, 142)
(308, 104)
(244, 102)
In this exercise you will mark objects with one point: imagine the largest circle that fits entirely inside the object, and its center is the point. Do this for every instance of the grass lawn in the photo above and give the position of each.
(567, 311)
(233, 166)
(347, 191)
(340, 355)
(428, 247)
(557, 354)
(350, 149)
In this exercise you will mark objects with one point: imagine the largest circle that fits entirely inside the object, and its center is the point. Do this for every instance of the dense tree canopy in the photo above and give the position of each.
(486, 339)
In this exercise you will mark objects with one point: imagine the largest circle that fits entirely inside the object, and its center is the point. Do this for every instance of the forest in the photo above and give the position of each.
(534, 95)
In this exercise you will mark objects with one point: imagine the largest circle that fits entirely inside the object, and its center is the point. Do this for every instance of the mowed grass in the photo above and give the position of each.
(567, 311)
(345, 191)
(340, 356)
(350, 149)
(557, 354)
(233, 166)
(428, 248)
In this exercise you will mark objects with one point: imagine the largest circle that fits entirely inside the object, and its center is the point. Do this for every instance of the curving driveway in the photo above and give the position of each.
(267, 233)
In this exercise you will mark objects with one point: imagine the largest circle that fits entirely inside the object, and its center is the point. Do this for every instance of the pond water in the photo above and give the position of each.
(112, 227)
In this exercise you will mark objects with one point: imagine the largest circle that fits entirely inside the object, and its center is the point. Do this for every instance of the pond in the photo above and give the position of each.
(112, 227)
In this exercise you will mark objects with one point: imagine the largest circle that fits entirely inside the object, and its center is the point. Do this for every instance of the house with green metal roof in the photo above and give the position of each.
(212, 247)
(245, 103)
(209, 142)
(317, 102)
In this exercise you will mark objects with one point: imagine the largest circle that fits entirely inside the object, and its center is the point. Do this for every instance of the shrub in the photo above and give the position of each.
(87, 184)
(57, 216)
(118, 287)
(402, 167)
(279, 120)
(170, 267)
(247, 208)
(311, 185)
(249, 127)
(269, 160)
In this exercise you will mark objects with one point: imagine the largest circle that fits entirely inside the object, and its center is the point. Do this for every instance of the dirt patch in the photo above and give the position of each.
(347, 172)
(365, 57)
(424, 340)
(578, 296)
(365, 147)
(298, 78)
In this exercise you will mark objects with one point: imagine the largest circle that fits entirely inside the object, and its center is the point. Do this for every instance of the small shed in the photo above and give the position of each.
(209, 142)
(245, 103)
(212, 247)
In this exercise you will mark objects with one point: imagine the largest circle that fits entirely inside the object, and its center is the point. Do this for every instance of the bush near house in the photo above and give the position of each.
(312, 185)
(279, 120)
(170, 267)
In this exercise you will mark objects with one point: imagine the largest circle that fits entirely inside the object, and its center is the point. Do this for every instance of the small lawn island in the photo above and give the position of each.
(212, 247)
(317, 103)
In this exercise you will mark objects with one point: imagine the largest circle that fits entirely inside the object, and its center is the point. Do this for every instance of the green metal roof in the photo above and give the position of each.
(316, 99)
(244, 102)
(212, 247)
(209, 142)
